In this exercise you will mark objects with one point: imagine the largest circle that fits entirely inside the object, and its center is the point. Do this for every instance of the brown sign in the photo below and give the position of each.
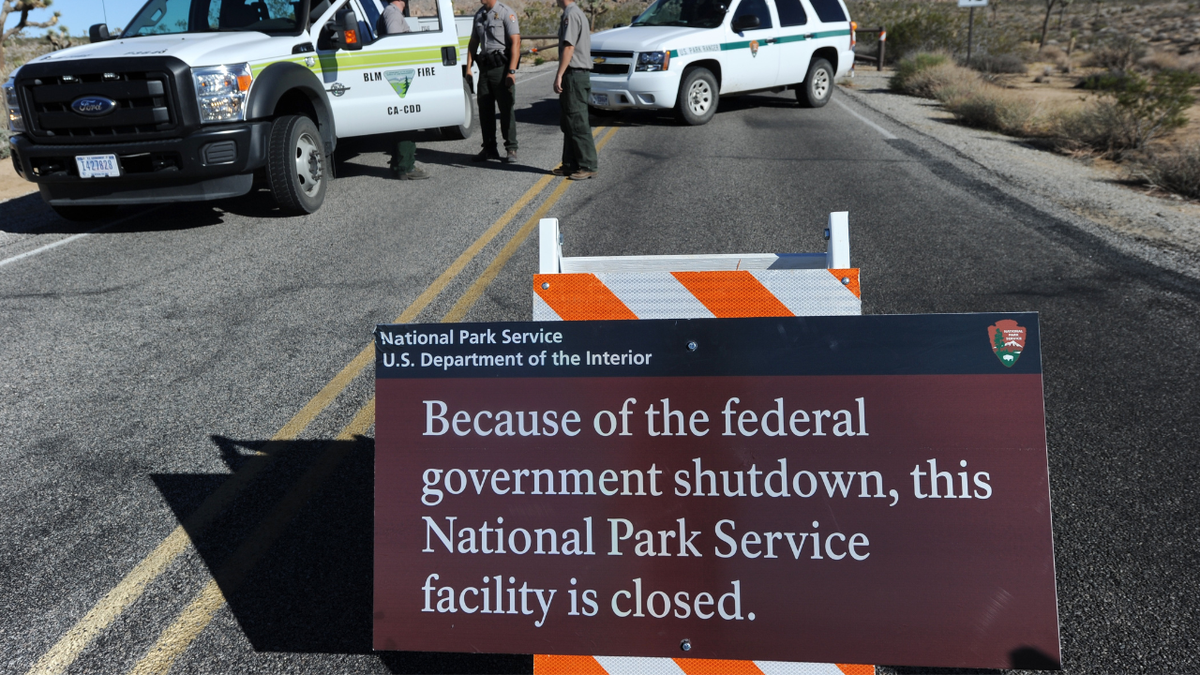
(774, 489)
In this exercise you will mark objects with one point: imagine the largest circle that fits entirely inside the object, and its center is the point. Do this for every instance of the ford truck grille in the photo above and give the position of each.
(104, 101)
(140, 104)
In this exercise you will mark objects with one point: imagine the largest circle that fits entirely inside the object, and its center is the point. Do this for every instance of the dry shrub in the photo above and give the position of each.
(987, 106)
(1190, 63)
(1051, 54)
(914, 67)
(1116, 53)
(1160, 61)
(1177, 172)
(998, 63)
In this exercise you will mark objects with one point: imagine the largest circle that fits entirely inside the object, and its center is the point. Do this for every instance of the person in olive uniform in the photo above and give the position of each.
(496, 46)
(573, 84)
(404, 159)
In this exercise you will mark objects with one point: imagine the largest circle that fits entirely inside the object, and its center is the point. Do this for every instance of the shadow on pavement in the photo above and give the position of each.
(308, 589)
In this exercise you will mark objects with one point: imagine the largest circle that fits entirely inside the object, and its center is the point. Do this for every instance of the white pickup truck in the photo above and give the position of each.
(197, 97)
(685, 54)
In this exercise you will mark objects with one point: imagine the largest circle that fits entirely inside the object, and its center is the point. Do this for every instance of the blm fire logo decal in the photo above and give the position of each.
(1008, 341)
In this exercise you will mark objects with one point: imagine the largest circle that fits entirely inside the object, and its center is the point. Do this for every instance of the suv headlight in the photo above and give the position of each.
(16, 123)
(221, 92)
(653, 61)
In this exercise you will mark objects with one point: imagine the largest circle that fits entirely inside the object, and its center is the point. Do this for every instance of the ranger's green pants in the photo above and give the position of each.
(579, 149)
(493, 92)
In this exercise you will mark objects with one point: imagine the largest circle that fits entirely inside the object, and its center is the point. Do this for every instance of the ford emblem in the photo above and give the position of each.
(93, 106)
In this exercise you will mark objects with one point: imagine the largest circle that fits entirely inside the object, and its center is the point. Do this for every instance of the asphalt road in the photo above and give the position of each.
(146, 363)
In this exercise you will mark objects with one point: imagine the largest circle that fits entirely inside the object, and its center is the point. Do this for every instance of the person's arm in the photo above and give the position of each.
(472, 45)
(515, 40)
(564, 60)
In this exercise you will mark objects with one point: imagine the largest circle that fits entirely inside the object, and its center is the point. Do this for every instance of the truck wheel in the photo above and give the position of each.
(817, 87)
(698, 97)
(296, 165)
(463, 131)
(85, 214)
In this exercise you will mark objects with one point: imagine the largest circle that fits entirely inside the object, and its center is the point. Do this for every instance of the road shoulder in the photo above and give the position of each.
(1162, 230)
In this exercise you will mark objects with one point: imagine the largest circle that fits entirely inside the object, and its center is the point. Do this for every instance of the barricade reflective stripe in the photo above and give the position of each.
(695, 295)
(551, 664)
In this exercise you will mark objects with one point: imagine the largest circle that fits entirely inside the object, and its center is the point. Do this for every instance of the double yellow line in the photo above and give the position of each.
(199, 613)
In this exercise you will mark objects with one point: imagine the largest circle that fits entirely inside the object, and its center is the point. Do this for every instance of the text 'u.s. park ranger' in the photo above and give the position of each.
(573, 84)
(496, 45)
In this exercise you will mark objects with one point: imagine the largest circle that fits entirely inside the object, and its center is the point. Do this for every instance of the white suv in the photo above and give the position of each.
(684, 54)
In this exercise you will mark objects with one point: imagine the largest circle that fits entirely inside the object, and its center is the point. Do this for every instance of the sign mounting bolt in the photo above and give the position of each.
(686, 645)
(692, 346)
(845, 281)
(545, 285)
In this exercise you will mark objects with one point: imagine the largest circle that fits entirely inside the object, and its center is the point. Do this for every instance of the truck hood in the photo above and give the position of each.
(194, 49)
(653, 38)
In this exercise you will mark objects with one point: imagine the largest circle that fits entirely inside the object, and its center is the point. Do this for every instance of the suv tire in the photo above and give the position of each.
(297, 168)
(817, 87)
(462, 131)
(698, 97)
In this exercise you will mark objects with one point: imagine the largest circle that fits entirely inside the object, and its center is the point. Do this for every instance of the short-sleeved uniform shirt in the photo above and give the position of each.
(493, 27)
(392, 21)
(574, 31)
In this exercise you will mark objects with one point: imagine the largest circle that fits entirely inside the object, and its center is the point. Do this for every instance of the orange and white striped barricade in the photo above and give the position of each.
(693, 287)
(696, 286)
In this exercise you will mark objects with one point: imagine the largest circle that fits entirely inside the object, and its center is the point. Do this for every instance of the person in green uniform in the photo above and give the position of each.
(573, 84)
(496, 46)
(404, 159)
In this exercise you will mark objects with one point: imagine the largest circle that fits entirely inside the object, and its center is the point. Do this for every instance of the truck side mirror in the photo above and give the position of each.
(745, 22)
(98, 33)
(350, 38)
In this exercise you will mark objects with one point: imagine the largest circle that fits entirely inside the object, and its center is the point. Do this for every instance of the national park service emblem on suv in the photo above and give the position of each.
(1008, 341)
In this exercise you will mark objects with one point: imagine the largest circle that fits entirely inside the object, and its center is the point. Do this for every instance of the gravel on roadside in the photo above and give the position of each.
(1162, 230)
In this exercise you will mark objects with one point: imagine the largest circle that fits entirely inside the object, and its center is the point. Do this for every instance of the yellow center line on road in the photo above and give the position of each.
(194, 618)
(199, 613)
(129, 589)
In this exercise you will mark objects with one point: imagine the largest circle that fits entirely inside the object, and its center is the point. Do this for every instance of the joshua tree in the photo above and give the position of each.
(24, 7)
(1050, 5)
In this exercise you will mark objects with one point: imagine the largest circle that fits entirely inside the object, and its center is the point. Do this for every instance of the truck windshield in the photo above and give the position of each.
(163, 17)
(694, 13)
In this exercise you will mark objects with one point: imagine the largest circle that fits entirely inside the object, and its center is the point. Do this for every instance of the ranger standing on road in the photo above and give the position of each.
(573, 84)
(404, 159)
(496, 37)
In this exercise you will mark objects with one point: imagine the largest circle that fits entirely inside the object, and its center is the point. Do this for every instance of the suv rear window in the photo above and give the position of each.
(791, 13)
(829, 11)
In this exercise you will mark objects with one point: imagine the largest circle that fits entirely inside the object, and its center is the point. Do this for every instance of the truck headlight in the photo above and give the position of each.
(221, 92)
(653, 61)
(16, 123)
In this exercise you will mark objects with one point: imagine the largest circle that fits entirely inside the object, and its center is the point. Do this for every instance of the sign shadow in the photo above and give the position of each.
(307, 521)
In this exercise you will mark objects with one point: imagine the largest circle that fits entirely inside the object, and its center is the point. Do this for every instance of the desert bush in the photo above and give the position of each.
(912, 67)
(1177, 172)
(1051, 53)
(1119, 52)
(986, 106)
(1159, 61)
(1133, 111)
(997, 63)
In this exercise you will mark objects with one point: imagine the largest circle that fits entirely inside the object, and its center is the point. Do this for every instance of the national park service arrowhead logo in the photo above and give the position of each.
(400, 79)
(1008, 341)
(754, 48)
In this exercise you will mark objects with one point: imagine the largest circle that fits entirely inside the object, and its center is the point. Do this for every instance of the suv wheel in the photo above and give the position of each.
(297, 168)
(697, 102)
(817, 87)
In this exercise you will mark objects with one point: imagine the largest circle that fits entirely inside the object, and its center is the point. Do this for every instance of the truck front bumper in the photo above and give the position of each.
(639, 90)
(208, 164)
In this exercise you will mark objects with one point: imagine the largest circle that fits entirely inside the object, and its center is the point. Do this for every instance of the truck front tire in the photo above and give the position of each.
(462, 131)
(817, 87)
(698, 96)
(297, 168)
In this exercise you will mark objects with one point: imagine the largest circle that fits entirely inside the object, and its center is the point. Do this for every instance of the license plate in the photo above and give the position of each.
(97, 166)
(599, 99)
